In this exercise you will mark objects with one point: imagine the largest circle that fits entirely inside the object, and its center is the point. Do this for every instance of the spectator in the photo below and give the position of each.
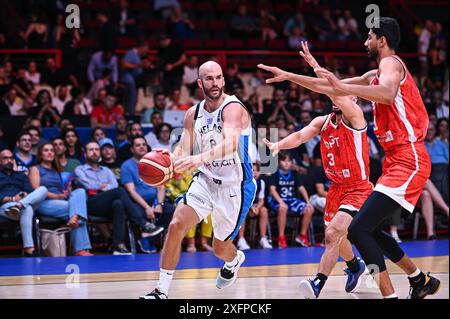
(295, 38)
(61, 203)
(18, 200)
(4, 82)
(11, 104)
(105, 199)
(439, 106)
(73, 144)
(206, 231)
(109, 156)
(436, 63)
(101, 61)
(442, 130)
(164, 7)
(322, 185)
(107, 35)
(431, 195)
(156, 120)
(67, 164)
(3, 143)
(36, 34)
(124, 19)
(132, 69)
(265, 23)
(147, 200)
(257, 210)
(232, 78)
(97, 134)
(32, 73)
(174, 101)
(348, 27)
(23, 157)
(78, 105)
(172, 59)
(159, 105)
(104, 83)
(54, 76)
(121, 128)
(44, 110)
(284, 184)
(106, 113)
(294, 22)
(179, 26)
(21, 84)
(305, 119)
(438, 151)
(190, 75)
(61, 98)
(422, 48)
(36, 139)
(325, 27)
(163, 141)
(242, 25)
(124, 153)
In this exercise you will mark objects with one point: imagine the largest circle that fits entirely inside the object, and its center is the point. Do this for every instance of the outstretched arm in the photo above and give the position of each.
(385, 92)
(296, 139)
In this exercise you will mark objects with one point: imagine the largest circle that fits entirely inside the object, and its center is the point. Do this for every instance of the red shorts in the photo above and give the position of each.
(348, 198)
(405, 172)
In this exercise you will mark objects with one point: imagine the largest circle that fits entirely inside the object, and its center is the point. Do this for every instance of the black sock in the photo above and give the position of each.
(320, 280)
(418, 280)
(353, 265)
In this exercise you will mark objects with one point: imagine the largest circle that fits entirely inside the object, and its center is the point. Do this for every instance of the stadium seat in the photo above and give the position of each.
(193, 43)
(232, 44)
(256, 44)
(214, 44)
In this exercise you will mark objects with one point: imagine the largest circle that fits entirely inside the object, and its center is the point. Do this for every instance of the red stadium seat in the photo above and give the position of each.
(214, 44)
(126, 42)
(283, 8)
(217, 25)
(193, 43)
(277, 44)
(256, 44)
(142, 6)
(234, 44)
(155, 24)
(87, 43)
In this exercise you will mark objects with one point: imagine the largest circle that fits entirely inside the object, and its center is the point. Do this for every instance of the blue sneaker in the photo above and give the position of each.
(308, 290)
(354, 279)
(147, 246)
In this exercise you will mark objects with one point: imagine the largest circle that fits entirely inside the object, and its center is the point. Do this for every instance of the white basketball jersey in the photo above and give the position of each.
(208, 128)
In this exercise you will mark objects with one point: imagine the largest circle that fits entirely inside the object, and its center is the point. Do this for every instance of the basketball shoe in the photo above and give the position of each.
(227, 276)
(430, 286)
(354, 278)
(155, 294)
(309, 290)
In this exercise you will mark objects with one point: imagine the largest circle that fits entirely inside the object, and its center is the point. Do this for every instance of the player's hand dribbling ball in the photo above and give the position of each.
(156, 167)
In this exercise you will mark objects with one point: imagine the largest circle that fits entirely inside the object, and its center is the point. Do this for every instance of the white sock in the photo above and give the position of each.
(232, 263)
(394, 295)
(165, 279)
(416, 273)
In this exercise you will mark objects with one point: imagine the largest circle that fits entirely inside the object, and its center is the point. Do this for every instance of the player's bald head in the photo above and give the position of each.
(209, 67)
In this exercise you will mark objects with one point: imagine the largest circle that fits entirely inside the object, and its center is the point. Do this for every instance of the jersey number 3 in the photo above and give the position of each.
(330, 159)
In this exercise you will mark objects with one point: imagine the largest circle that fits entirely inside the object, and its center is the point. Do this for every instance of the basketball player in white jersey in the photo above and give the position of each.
(218, 132)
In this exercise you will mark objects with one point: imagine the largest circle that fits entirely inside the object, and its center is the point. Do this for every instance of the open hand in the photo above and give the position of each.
(308, 56)
(189, 163)
(279, 75)
(273, 147)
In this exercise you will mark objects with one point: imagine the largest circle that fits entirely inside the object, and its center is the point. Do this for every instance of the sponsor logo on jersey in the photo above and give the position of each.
(331, 141)
(196, 197)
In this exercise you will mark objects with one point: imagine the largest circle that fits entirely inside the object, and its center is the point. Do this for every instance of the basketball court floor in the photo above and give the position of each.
(265, 274)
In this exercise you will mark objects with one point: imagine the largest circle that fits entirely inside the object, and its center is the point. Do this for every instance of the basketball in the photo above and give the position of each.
(155, 168)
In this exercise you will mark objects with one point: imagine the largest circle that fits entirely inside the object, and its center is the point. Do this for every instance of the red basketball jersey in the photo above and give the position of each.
(345, 152)
(405, 120)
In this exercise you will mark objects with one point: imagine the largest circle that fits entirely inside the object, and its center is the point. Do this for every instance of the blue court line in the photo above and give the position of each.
(144, 262)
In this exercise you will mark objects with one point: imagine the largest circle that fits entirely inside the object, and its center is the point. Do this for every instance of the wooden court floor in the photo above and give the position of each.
(254, 282)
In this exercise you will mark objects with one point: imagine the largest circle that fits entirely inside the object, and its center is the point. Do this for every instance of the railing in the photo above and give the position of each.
(222, 56)
(55, 52)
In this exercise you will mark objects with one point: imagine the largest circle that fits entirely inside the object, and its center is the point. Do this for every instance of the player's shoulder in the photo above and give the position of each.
(391, 62)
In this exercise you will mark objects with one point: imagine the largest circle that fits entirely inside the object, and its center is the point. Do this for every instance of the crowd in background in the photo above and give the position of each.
(128, 94)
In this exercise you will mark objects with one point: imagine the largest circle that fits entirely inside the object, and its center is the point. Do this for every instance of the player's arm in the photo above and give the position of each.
(294, 140)
(351, 111)
(232, 119)
(184, 146)
(385, 93)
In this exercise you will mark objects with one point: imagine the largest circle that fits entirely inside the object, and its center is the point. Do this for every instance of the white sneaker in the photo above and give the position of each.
(242, 244)
(228, 276)
(264, 243)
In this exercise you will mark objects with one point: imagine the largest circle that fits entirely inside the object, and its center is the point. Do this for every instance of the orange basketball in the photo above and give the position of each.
(155, 168)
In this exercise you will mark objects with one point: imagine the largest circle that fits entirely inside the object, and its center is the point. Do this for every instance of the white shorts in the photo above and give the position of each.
(227, 204)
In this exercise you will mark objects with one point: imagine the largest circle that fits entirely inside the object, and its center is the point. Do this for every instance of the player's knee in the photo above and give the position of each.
(332, 236)
(177, 228)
